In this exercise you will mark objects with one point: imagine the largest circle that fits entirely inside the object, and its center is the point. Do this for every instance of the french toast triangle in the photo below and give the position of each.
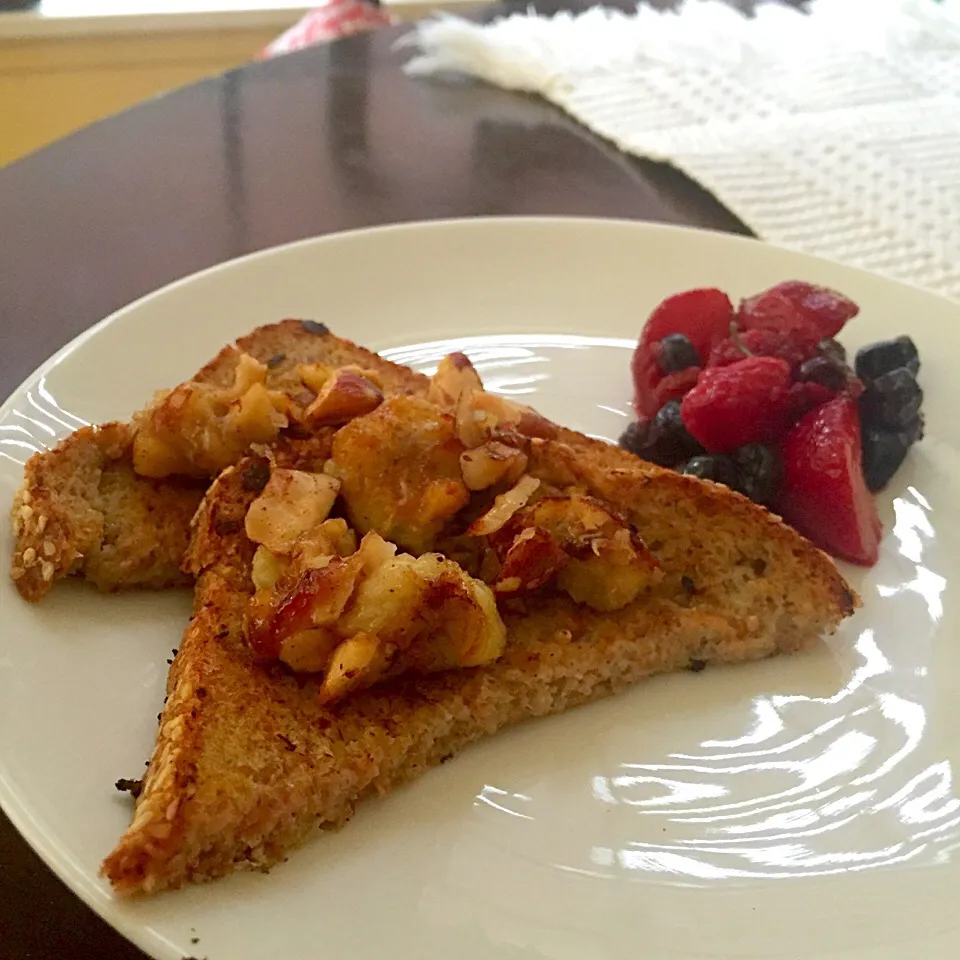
(83, 509)
(252, 756)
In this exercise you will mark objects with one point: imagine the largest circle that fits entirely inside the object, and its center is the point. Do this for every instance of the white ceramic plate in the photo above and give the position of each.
(804, 807)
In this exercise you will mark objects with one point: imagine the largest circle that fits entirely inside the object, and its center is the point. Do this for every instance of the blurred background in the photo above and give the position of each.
(67, 63)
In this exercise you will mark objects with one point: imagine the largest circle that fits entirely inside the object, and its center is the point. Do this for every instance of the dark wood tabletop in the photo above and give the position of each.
(325, 140)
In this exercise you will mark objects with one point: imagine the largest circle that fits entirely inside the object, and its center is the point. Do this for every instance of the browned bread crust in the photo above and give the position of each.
(82, 510)
(286, 345)
(248, 763)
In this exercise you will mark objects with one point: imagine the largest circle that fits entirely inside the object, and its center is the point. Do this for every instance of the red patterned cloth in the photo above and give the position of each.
(336, 18)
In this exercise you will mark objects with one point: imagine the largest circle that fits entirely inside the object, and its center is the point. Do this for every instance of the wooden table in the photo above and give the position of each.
(329, 139)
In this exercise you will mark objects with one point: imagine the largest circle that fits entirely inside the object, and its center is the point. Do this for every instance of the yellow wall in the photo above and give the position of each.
(52, 86)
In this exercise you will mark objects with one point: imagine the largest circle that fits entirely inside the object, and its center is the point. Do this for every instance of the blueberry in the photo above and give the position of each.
(892, 400)
(826, 370)
(716, 467)
(663, 440)
(834, 349)
(875, 360)
(883, 452)
(675, 352)
(759, 472)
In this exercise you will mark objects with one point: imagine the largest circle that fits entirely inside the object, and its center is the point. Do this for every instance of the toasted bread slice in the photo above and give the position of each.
(82, 510)
(248, 762)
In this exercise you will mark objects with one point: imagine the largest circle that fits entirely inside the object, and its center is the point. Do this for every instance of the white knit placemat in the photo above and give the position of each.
(836, 133)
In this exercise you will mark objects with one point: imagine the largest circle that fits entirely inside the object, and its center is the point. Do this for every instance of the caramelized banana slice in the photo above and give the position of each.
(199, 429)
(359, 619)
(400, 471)
(333, 538)
(355, 664)
(268, 568)
(306, 602)
(292, 503)
(580, 544)
(414, 614)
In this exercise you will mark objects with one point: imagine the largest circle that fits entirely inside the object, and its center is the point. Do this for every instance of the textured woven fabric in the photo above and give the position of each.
(836, 133)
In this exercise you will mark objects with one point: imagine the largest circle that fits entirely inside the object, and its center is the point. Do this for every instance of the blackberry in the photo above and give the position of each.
(825, 370)
(883, 452)
(636, 438)
(759, 472)
(672, 434)
(715, 466)
(833, 349)
(913, 431)
(663, 440)
(892, 400)
(876, 359)
(675, 352)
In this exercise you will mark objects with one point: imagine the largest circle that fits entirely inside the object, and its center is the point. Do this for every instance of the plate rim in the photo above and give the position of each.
(482, 222)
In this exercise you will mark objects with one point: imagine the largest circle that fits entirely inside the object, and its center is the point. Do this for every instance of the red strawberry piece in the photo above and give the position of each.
(725, 352)
(675, 386)
(745, 402)
(775, 312)
(787, 303)
(793, 345)
(823, 493)
(703, 316)
(652, 388)
(646, 377)
(827, 309)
